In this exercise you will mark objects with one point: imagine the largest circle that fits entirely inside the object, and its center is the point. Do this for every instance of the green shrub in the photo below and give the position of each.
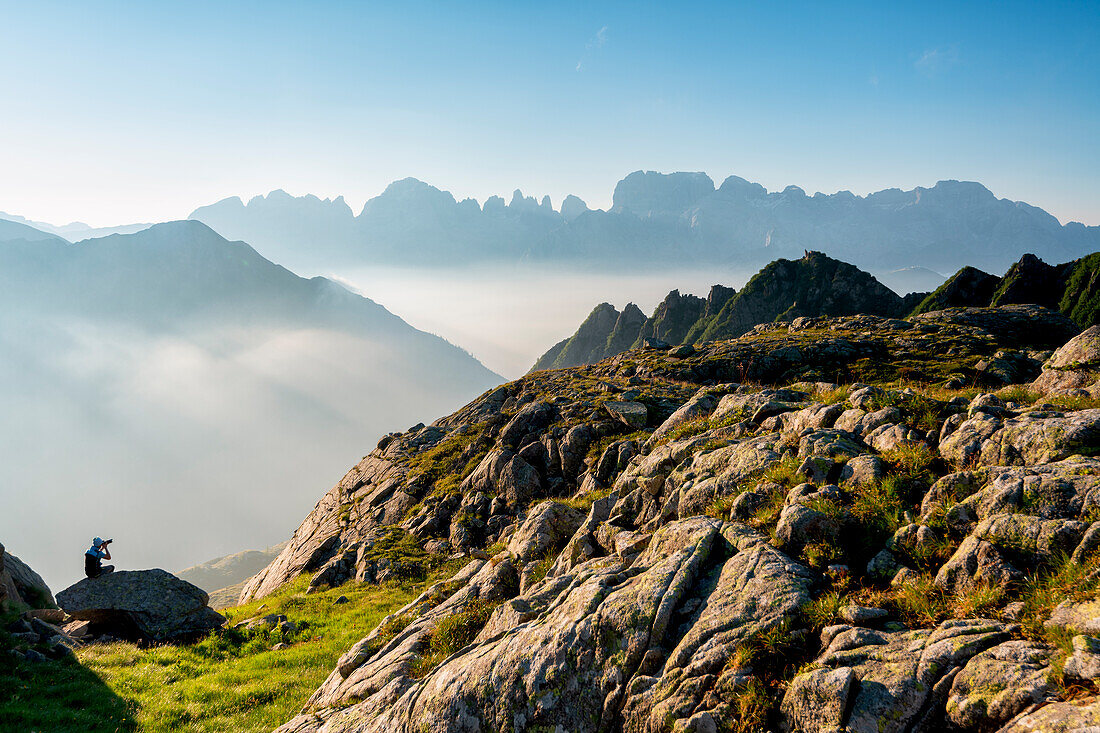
(451, 634)
(408, 560)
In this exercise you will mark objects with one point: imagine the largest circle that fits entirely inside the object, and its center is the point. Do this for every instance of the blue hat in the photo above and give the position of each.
(97, 542)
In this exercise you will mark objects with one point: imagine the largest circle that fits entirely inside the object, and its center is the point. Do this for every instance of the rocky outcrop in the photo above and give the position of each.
(763, 533)
(967, 287)
(1074, 366)
(877, 681)
(20, 587)
(150, 605)
(638, 642)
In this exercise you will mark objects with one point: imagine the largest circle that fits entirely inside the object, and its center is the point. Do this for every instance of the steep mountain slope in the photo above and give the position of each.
(655, 547)
(188, 377)
(815, 285)
(11, 231)
(1072, 287)
(657, 219)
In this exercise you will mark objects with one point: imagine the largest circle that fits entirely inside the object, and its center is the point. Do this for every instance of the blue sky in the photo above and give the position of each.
(118, 112)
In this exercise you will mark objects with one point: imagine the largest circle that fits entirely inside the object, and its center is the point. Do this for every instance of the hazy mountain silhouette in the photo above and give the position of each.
(75, 231)
(656, 220)
(11, 231)
(188, 397)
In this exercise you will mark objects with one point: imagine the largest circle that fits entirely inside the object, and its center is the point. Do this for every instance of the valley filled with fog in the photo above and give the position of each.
(188, 398)
(508, 315)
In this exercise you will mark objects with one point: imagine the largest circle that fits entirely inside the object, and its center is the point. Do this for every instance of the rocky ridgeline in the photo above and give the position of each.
(818, 285)
(728, 539)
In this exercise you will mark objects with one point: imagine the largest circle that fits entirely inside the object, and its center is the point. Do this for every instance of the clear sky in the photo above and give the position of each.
(119, 112)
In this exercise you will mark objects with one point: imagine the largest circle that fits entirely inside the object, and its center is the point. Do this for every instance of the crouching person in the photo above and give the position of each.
(94, 557)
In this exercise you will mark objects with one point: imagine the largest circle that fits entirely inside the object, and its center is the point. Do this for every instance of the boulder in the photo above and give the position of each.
(998, 684)
(881, 682)
(701, 404)
(1084, 662)
(631, 414)
(1037, 437)
(153, 605)
(1079, 716)
(1074, 366)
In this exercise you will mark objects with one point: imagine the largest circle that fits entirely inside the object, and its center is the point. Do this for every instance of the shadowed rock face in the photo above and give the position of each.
(21, 587)
(152, 605)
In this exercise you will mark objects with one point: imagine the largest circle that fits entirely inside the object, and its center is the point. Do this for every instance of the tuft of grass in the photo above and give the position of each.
(879, 509)
(542, 567)
(821, 611)
(819, 555)
(451, 460)
(452, 634)
(784, 472)
(1060, 580)
(751, 708)
(585, 501)
(1018, 393)
(831, 396)
(721, 507)
(978, 601)
(912, 462)
(766, 516)
(920, 602)
(1072, 403)
(408, 559)
(699, 426)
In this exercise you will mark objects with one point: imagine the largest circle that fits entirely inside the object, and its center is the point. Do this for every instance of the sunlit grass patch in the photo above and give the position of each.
(230, 680)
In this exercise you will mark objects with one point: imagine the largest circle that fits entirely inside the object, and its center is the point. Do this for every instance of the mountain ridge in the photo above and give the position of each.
(817, 285)
(659, 219)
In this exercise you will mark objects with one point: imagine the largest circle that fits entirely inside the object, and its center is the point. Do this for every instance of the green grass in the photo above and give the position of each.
(228, 681)
(1072, 403)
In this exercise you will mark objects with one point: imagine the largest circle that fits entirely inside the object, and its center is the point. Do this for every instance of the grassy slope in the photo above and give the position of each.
(229, 681)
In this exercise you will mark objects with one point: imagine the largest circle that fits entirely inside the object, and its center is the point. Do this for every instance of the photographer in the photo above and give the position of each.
(94, 557)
